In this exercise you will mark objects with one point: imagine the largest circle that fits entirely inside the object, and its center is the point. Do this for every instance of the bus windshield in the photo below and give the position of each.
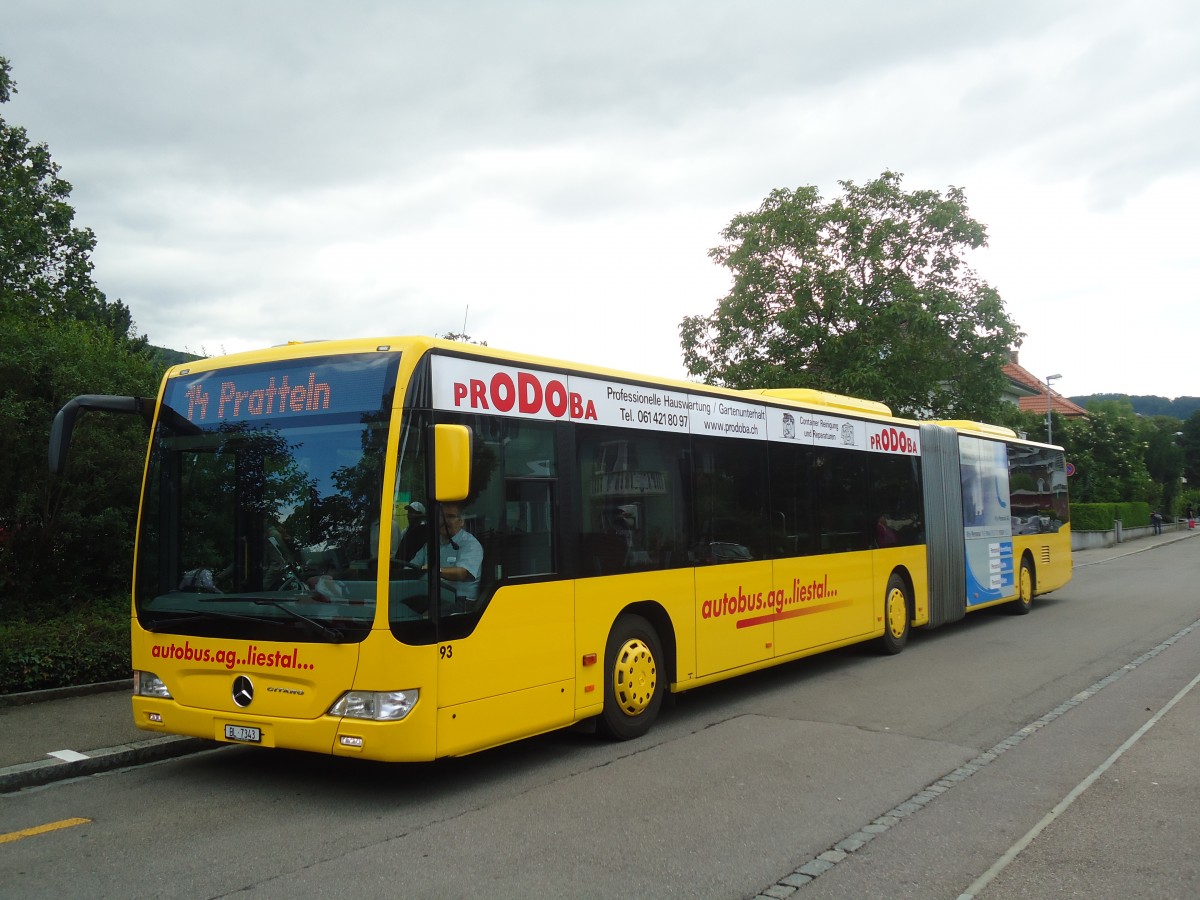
(262, 504)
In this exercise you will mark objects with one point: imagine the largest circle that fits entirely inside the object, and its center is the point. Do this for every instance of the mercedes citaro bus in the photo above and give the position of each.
(586, 541)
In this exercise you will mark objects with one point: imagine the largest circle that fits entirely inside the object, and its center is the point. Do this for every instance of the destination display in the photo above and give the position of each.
(334, 384)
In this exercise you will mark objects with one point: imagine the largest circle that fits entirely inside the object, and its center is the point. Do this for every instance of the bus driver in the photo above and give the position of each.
(461, 554)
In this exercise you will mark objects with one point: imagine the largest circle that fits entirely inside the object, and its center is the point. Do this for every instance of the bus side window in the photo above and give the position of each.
(525, 542)
(896, 498)
(791, 470)
(840, 484)
(730, 500)
(632, 511)
(512, 507)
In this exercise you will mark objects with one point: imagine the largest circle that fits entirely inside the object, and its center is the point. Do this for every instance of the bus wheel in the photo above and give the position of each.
(897, 615)
(1025, 587)
(633, 685)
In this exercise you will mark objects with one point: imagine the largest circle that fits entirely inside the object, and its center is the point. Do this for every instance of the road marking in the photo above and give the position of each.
(41, 829)
(846, 847)
(1009, 855)
(68, 755)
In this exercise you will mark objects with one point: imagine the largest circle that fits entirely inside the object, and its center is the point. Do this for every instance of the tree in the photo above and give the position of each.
(45, 261)
(1190, 442)
(1118, 455)
(1164, 459)
(60, 539)
(462, 337)
(66, 539)
(868, 295)
(1109, 454)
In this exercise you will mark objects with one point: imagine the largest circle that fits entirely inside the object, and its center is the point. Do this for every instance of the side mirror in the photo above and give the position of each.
(64, 421)
(452, 462)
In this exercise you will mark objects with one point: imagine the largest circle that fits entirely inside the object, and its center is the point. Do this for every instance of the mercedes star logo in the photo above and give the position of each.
(243, 691)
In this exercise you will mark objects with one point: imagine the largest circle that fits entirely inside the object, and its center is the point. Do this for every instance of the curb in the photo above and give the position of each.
(61, 693)
(45, 771)
(1112, 552)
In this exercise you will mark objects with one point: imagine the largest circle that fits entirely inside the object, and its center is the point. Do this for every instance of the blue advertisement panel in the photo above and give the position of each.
(987, 519)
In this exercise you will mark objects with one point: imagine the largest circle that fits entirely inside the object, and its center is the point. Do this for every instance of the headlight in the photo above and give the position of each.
(147, 684)
(379, 706)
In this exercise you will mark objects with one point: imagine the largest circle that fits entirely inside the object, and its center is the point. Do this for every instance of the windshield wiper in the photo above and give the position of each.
(334, 633)
(200, 617)
(227, 598)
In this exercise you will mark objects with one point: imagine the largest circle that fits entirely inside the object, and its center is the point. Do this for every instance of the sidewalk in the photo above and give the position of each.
(1136, 545)
(47, 736)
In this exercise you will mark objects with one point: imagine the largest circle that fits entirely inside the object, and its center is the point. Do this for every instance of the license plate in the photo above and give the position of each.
(243, 733)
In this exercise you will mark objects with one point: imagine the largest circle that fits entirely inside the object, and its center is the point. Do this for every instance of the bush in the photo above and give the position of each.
(1134, 515)
(1100, 516)
(1092, 516)
(83, 647)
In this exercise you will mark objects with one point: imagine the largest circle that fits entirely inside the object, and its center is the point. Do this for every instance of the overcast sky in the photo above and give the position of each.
(553, 173)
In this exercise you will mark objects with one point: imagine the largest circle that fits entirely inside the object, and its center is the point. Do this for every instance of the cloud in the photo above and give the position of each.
(294, 170)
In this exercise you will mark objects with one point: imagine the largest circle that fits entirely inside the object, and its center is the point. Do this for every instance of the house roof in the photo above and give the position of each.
(1036, 401)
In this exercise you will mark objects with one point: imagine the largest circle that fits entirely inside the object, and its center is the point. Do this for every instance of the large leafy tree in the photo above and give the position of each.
(45, 261)
(1108, 449)
(66, 539)
(868, 294)
(60, 539)
(1164, 458)
(1189, 440)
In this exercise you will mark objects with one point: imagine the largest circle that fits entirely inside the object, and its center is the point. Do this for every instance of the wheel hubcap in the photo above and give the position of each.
(635, 677)
(1026, 586)
(897, 613)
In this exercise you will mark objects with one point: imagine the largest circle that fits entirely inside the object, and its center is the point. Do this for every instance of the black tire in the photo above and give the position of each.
(633, 679)
(1026, 588)
(897, 615)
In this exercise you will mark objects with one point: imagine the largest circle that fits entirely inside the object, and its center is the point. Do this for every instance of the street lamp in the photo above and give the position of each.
(1049, 404)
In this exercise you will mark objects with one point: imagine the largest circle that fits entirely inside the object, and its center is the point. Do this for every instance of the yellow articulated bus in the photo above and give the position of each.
(599, 539)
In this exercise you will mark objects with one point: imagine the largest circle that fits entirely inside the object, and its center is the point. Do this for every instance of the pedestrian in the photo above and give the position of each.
(1156, 521)
(1191, 516)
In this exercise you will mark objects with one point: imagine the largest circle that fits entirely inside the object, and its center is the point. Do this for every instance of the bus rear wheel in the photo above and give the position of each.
(897, 615)
(633, 682)
(1026, 584)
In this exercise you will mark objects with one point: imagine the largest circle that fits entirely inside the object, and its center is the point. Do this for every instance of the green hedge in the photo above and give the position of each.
(82, 648)
(1100, 516)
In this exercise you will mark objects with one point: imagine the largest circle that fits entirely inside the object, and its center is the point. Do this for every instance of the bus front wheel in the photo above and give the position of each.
(897, 615)
(633, 679)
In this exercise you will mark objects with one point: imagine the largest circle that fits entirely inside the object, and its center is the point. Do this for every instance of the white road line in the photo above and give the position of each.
(851, 844)
(1013, 851)
(68, 755)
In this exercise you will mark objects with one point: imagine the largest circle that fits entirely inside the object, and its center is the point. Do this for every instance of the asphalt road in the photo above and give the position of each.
(928, 770)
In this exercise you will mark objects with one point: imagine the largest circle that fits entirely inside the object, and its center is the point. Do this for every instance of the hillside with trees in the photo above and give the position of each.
(1180, 407)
